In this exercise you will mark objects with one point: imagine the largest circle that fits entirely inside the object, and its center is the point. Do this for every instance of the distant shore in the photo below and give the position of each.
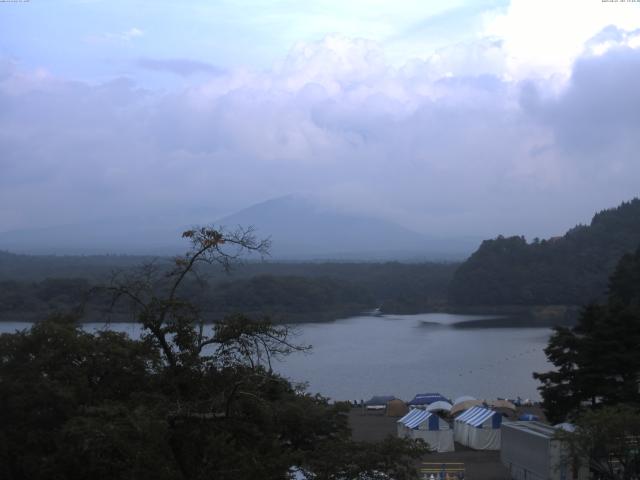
(505, 316)
(512, 315)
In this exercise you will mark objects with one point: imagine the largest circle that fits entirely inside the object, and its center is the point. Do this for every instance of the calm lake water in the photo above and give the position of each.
(402, 355)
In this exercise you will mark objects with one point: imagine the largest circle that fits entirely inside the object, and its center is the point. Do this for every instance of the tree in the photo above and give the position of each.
(567, 270)
(179, 402)
(608, 439)
(55, 381)
(597, 361)
(154, 292)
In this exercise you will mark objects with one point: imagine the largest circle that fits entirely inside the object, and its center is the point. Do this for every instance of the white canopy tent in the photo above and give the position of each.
(463, 398)
(440, 406)
(429, 427)
(464, 405)
(478, 428)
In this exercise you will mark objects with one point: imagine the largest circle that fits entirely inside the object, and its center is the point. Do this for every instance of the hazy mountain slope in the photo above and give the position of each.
(301, 228)
(572, 269)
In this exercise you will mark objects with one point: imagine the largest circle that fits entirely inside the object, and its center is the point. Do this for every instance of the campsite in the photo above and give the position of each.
(468, 443)
(325, 240)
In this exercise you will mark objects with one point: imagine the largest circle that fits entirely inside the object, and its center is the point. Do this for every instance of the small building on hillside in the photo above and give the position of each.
(440, 406)
(531, 451)
(429, 427)
(478, 428)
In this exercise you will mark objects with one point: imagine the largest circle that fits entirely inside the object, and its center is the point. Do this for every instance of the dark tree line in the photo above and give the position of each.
(598, 360)
(177, 403)
(596, 379)
(568, 270)
(288, 292)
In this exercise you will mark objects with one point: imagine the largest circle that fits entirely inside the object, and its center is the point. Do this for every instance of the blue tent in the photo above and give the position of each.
(428, 427)
(379, 400)
(528, 417)
(478, 428)
(427, 399)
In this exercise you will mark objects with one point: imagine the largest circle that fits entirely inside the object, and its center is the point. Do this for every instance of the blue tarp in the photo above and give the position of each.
(427, 399)
(528, 417)
(379, 400)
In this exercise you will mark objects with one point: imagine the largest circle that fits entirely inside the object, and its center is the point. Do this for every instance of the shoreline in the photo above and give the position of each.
(505, 316)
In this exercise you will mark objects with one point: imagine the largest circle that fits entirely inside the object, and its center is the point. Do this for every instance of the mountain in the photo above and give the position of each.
(301, 228)
(568, 270)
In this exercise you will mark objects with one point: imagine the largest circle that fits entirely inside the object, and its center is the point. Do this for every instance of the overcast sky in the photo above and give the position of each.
(450, 117)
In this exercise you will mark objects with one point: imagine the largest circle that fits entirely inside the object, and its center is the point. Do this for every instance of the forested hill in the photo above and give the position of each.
(568, 270)
(33, 286)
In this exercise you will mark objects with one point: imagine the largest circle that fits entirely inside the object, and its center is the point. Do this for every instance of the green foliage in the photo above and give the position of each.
(608, 439)
(49, 294)
(598, 361)
(568, 270)
(287, 292)
(77, 405)
(284, 295)
(52, 378)
(176, 404)
(379, 461)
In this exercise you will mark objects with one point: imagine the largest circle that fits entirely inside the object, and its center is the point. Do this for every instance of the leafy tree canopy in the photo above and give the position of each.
(177, 403)
(607, 440)
(567, 270)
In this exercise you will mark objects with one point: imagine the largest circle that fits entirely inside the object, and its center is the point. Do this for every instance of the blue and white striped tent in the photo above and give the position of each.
(477, 416)
(478, 428)
(427, 426)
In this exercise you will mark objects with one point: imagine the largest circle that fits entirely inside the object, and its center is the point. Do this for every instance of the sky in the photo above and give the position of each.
(454, 118)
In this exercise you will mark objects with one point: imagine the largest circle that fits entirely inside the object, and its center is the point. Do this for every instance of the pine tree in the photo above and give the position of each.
(597, 361)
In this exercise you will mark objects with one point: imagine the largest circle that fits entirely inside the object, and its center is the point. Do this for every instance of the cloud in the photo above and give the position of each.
(131, 33)
(178, 66)
(545, 37)
(612, 37)
(125, 36)
(443, 149)
(595, 120)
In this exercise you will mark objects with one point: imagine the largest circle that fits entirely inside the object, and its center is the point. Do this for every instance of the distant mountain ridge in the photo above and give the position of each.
(301, 228)
(569, 270)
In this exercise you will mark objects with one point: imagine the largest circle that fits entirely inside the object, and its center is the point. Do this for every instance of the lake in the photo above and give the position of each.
(357, 357)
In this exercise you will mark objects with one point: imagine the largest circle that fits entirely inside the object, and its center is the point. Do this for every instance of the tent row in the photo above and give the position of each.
(421, 424)
(477, 424)
(478, 428)
(435, 402)
(530, 450)
(394, 407)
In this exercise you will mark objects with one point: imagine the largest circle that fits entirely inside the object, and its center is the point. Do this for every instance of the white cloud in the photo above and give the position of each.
(125, 36)
(612, 37)
(337, 63)
(449, 153)
(544, 37)
(131, 33)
